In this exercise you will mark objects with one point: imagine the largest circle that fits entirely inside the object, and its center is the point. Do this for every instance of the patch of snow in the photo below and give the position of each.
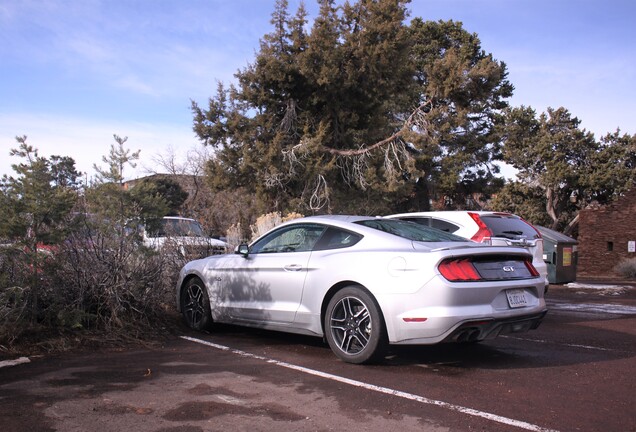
(596, 286)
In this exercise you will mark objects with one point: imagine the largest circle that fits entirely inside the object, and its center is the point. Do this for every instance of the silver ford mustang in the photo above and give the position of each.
(364, 283)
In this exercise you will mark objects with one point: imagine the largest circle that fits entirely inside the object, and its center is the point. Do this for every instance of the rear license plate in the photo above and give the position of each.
(517, 298)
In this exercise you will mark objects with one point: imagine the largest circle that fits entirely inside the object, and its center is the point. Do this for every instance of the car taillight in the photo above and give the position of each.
(459, 270)
(533, 271)
(483, 233)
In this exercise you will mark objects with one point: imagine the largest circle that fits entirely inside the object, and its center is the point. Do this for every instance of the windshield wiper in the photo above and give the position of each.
(509, 234)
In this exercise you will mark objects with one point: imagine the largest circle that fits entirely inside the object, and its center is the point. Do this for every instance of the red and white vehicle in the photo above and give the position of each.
(493, 228)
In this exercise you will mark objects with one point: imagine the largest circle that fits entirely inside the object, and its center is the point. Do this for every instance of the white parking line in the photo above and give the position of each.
(385, 390)
(7, 363)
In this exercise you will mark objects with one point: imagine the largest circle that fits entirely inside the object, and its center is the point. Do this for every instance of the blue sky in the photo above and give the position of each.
(75, 72)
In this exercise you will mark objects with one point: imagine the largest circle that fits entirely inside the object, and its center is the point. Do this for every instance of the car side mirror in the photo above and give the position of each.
(242, 249)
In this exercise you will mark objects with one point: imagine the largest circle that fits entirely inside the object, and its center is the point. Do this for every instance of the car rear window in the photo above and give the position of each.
(432, 222)
(411, 230)
(509, 226)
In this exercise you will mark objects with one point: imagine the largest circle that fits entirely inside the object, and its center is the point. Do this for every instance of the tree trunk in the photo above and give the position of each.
(550, 207)
(573, 224)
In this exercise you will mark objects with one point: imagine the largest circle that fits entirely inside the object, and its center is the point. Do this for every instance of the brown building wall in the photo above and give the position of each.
(604, 233)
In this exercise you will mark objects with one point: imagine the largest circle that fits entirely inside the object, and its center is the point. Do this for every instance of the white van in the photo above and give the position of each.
(183, 235)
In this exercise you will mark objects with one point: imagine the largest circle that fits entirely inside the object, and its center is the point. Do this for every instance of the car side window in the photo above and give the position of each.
(295, 238)
(335, 238)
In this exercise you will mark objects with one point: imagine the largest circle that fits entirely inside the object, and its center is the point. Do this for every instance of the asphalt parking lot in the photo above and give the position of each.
(575, 373)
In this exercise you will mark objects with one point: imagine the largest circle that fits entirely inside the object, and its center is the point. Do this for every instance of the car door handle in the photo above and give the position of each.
(293, 267)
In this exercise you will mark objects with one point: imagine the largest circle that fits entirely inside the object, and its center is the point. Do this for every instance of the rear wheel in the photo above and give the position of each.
(354, 326)
(195, 305)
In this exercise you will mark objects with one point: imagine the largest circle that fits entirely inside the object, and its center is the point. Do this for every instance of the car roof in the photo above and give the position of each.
(349, 222)
(341, 218)
(450, 212)
(343, 221)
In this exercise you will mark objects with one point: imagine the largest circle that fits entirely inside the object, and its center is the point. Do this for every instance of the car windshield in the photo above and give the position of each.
(411, 230)
(178, 228)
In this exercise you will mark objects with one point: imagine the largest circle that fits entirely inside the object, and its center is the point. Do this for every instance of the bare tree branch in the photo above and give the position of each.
(416, 119)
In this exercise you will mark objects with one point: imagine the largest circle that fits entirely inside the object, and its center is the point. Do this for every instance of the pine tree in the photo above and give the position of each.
(552, 154)
(110, 201)
(361, 114)
(463, 91)
(36, 206)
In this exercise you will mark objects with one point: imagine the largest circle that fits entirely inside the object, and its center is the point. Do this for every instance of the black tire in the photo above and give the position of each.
(195, 305)
(354, 326)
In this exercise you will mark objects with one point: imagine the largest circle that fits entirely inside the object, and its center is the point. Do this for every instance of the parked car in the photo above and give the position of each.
(364, 283)
(493, 228)
(184, 236)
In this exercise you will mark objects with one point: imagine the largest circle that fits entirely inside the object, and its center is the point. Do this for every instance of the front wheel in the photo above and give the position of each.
(354, 326)
(195, 305)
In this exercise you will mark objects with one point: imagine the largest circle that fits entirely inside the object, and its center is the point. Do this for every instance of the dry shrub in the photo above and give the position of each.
(268, 221)
(626, 268)
(264, 223)
(234, 236)
(102, 285)
(94, 283)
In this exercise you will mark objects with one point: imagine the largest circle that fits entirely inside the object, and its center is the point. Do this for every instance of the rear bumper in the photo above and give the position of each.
(473, 331)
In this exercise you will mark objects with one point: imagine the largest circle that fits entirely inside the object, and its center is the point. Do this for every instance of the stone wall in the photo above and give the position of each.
(604, 236)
